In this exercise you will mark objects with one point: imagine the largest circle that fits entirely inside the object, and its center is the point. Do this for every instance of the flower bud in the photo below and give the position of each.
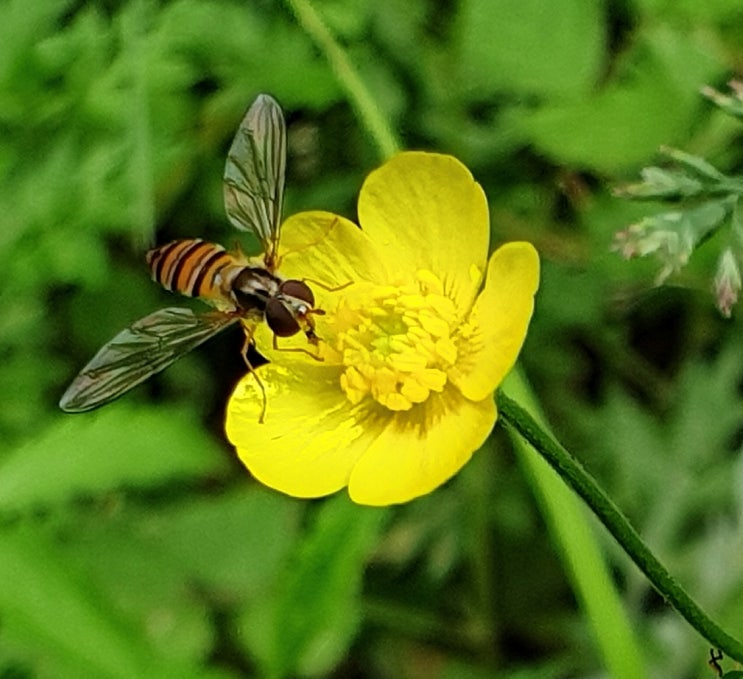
(727, 282)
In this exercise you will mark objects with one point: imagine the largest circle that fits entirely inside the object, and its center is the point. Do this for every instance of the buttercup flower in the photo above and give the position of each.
(420, 328)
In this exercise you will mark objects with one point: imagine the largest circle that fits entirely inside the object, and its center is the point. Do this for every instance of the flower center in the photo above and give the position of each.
(395, 342)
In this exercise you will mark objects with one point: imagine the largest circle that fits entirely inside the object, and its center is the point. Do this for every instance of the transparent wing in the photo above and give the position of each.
(254, 175)
(143, 349)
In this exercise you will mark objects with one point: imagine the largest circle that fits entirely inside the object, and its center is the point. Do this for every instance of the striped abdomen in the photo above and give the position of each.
(192, 267)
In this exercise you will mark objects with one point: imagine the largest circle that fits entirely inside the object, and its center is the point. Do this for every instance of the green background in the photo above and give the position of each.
(132, 544)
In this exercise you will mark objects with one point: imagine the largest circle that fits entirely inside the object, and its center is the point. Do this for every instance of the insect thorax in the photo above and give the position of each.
(251, 287)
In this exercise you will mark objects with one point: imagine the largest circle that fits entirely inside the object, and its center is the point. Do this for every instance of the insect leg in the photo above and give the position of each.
(715, 656)
(301, 350)
(251, 370)
(329, 288)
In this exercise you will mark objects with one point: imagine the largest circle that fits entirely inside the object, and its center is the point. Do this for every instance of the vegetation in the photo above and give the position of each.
(132, 542)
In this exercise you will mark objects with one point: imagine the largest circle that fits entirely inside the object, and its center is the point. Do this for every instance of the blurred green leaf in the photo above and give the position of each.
(647, 104)
(115, 121)
(685, 457)
(74, 629)
(528, 47)
(313, 615)
(199, 551)
(348, 19)
(99, 452)
(237, 45)
(234, 543)
(463, 671)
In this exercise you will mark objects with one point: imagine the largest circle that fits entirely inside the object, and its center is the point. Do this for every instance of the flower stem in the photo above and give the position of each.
(360, 97)
(575, 476)
(577, 544)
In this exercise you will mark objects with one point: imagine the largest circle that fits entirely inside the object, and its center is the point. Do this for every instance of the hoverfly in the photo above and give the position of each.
(240, 290)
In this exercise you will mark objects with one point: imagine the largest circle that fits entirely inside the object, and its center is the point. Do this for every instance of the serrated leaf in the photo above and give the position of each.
(696, 164)
(705, 217)
(659, 182)
(103, 451)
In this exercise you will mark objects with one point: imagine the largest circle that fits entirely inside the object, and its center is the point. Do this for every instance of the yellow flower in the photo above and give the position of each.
(411, 353)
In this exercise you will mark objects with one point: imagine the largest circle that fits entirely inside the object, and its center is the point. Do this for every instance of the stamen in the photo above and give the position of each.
(397, 344)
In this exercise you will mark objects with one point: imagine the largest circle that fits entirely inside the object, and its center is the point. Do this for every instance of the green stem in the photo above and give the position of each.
(576, 543)
(360, 97)
(573, 473)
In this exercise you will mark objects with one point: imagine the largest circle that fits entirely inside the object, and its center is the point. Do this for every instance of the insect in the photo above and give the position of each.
(715, 655)
(241, 290)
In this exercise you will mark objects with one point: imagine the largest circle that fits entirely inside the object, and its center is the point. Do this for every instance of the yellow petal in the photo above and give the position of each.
(296, 350)
(499, 319)
(332, 254)
(329, 249)
(310, 439)
(425, 211)
(419, 450)
(329, 252)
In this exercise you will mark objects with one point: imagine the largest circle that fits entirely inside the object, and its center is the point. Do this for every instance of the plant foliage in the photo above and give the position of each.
(131, 542)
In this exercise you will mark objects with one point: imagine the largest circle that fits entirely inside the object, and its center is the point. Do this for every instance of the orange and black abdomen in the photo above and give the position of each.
(192, 267)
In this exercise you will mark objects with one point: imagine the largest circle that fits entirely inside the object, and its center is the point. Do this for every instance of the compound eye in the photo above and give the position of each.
(299, 290)
(280, 319)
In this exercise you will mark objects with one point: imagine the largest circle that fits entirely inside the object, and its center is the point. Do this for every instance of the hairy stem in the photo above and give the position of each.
(575, 476)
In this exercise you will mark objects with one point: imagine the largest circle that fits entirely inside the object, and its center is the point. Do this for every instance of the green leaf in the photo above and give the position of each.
(237, 44)
(103, 451)
(52, 607)
(551, 49)
(308, 623)
(666, 470)
(228, 548)
(348, 19)
(650, 102)
(697, 164)
(234, 543)
(658, 182)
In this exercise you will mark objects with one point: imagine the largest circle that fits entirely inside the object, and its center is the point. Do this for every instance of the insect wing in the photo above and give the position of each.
(254, 175)
(143, 349)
